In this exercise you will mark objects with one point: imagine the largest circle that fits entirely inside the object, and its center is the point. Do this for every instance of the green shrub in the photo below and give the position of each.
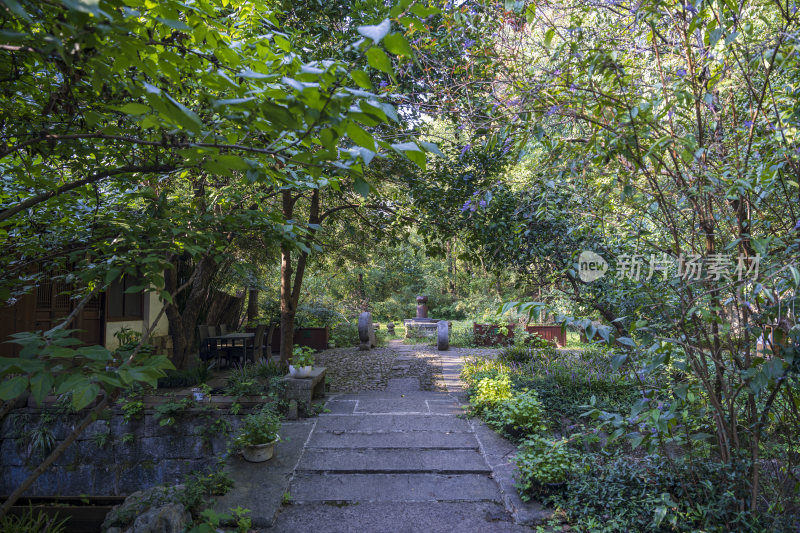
(524, 412)
(244, 380)
(491, 391)
(344, 334)
(267, 369)
(542, 461)
(185, 378)
(198, 487)
(462, 337)
(656, 494)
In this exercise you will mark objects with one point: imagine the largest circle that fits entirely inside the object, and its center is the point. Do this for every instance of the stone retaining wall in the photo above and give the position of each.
(103, 462)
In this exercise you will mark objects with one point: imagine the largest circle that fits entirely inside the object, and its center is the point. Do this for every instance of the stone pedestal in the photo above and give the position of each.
(443, 335)
(366, 332)
(303, 390)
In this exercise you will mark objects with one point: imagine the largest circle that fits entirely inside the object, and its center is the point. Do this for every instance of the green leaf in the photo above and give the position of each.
(377, 32)
(134, 108)
(96, 353)
(366, 155)
(362, 79)
(13, 387)
(41, 384)
(175, 24)
(359, 136)
(378, 59)
(71, 383)
(423, 11)
(548, 37)
(397, 44)
(618, 360)
(17, 9)
(431, 147)
(627, 341)
(361, 186)
(282, 42)
(145, 374)
(185, 116)
(83, 396)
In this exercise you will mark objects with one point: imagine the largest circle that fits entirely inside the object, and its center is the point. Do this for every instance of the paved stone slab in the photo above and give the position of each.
(448, 407)
(394, 460)
(393, 405)
(407, 439)
(307, 487)
(391, 423)
(260, 486)
(344, 407)
(418, 395)
(403, 384)
(430, 517)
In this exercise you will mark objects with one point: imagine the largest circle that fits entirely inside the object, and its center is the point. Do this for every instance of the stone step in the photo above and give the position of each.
(397, 517)
(408, 439)
(390, 423)
(350, 488)
(386, 461)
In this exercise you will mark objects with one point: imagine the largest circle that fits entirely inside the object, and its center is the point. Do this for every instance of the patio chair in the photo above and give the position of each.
(256, 351)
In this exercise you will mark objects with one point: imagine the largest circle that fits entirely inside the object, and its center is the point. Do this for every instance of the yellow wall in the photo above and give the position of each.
(151, 309)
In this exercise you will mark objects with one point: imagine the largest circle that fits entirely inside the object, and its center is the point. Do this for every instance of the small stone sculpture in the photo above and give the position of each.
(443, 335)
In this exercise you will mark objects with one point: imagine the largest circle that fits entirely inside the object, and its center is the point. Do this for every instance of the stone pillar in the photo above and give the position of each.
(366, 333)
(390, 328)
(443, 335)
(422, 307)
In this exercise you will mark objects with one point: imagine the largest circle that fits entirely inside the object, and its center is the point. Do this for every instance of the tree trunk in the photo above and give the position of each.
(183, 322)
(252, 303)
(290, 287)
(287, 307)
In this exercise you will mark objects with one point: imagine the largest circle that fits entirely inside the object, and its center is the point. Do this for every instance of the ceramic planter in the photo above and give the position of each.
(300, 371)
(258, 453)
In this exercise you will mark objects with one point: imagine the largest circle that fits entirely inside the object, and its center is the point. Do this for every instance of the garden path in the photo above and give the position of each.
(403, 459)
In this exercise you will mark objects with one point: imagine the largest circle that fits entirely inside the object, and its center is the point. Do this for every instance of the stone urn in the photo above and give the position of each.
(300, 371)
(258, 453)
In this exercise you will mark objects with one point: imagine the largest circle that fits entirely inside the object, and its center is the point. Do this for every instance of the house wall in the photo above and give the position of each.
(152, 307)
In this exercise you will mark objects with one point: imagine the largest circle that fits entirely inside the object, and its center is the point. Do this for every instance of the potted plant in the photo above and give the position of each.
(302, 362)
(259, 435)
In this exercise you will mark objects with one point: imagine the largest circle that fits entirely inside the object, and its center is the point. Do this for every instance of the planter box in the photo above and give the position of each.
(490, 334)
(316, 338)
(550, 333)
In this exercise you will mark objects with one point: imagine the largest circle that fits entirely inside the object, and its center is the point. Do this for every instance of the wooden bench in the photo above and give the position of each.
(303, 390)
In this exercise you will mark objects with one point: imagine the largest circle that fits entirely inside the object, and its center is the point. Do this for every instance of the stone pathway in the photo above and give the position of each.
(403, 459)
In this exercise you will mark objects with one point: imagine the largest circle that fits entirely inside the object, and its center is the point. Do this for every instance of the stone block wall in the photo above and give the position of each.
(103, 461)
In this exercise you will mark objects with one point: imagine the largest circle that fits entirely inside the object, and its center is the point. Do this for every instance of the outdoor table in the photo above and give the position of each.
(231, 341)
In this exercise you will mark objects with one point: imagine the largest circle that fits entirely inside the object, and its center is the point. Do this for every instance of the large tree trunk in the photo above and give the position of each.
(183, 320)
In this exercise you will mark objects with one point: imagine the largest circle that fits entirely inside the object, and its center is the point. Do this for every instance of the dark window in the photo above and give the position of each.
(122, 305)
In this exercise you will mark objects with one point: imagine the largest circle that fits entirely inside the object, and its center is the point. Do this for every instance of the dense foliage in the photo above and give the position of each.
(252, 145)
